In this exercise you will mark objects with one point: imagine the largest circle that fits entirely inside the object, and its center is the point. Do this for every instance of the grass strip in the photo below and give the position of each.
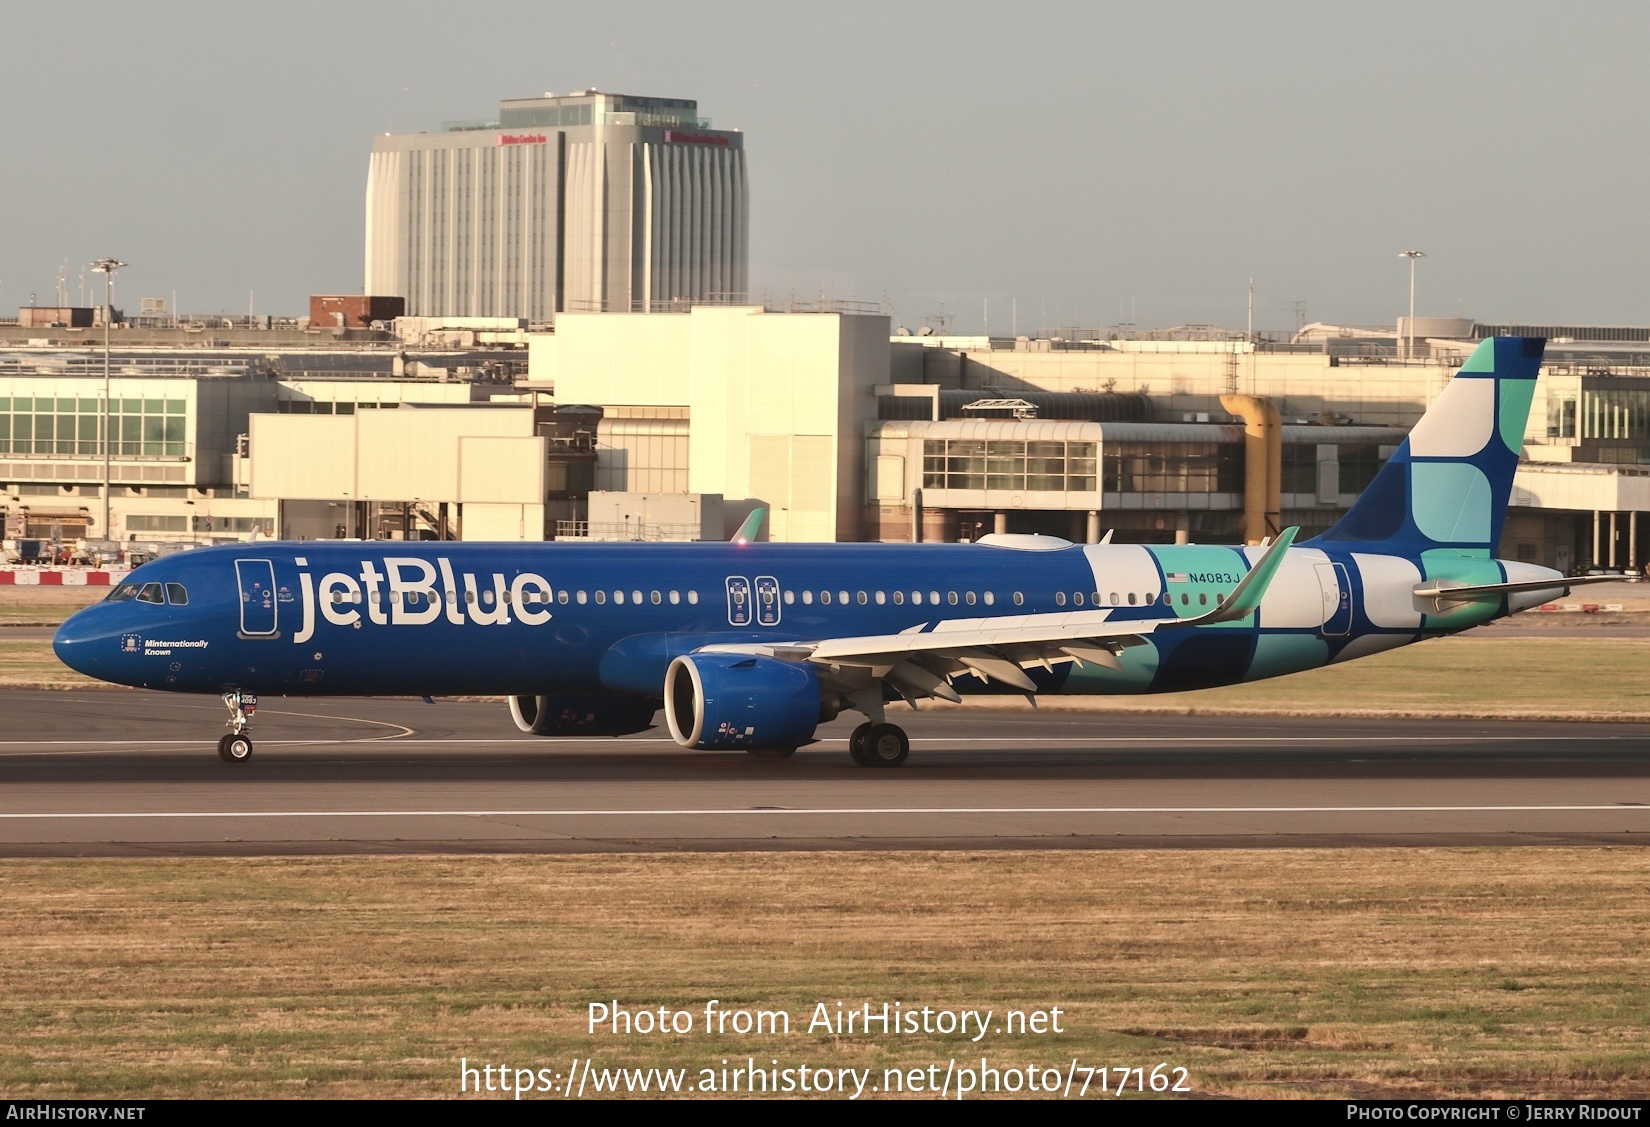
(32, 663)
(1402, 973)
(1480, 676)
(46, 605)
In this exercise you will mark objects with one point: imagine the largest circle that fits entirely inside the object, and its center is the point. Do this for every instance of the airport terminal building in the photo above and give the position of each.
(674, 425)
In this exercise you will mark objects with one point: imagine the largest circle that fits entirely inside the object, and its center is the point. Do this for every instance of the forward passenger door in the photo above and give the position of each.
(256, 579)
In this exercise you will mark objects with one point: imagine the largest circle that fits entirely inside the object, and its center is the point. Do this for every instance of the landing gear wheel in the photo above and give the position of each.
(771, 752)
(235, 748)
(886, 745)
(856, 744)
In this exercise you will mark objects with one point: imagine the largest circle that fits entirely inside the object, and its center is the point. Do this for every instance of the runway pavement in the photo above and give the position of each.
(136, 773)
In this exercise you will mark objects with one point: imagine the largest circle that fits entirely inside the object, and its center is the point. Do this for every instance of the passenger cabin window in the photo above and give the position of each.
(1019, 599)
(151, 594)
(601, 598)
(1077, 598)
(675, 598)
(916, 598)
(1059, 598)
(693, 597)
(899, 598)
(790, 597)
(989, 598)
(860, 597)
(882, 598)
(825, 597)
(580, 598)
(807, 598)
(1131, 598)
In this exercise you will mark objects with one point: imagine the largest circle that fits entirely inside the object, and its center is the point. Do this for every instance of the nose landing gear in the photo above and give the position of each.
(236, 745)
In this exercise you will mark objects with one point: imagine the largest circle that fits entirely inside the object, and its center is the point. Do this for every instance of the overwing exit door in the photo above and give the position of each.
(739, 601)
(767, 600)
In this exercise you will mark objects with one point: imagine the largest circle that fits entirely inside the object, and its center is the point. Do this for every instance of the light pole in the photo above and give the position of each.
(107, 267)
(1412, 255)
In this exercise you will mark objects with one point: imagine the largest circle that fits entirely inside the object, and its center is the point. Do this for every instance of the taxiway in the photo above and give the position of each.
(136, 773)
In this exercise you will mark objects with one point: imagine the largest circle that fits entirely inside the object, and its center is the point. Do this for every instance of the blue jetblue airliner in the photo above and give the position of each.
(751, 646)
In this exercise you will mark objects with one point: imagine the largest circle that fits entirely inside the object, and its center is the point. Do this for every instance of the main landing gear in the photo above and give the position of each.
(236, 745)
(879, 745)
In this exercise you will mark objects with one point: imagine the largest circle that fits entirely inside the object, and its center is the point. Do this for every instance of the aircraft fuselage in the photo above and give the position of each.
(447, 618)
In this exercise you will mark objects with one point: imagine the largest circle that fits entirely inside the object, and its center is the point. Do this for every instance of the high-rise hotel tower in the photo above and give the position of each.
(583, 202)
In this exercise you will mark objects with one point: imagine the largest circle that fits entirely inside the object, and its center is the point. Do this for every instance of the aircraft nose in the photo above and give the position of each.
(76, 643)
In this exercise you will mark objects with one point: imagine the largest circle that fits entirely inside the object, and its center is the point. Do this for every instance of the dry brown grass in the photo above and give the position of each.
(44, 606)
(1392, 972)
(32, 662)
(1477, 675)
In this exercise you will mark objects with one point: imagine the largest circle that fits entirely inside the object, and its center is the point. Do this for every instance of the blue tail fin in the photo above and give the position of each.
(1449, 483)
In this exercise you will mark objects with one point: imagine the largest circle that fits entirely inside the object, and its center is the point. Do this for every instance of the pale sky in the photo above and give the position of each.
(1083, 160)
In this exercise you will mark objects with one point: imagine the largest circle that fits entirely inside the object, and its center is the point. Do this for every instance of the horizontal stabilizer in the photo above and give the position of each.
(1443, 591)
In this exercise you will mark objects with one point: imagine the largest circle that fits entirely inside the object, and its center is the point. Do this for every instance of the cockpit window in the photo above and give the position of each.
(177, 595)
(122, 593)
(150, 594)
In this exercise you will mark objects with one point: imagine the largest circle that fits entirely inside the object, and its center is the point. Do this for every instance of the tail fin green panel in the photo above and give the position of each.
(1449, 483)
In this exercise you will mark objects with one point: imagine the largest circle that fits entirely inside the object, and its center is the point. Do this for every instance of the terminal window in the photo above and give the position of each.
(60, 425)
(145, 522)
(1615, 413)
(1172, 467)
(977, 463)
(1359, 465)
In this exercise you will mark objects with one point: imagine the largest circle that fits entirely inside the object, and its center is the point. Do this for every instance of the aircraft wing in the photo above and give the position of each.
(749, 526)
(922, 661)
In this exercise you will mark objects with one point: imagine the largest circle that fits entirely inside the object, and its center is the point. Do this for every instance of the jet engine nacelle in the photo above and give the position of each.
(721, 701)
(594, 714)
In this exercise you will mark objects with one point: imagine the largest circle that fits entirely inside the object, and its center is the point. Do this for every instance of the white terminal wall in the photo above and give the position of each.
(1581, 487)
(777, 403)
(1186, 377)
(487, 459)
